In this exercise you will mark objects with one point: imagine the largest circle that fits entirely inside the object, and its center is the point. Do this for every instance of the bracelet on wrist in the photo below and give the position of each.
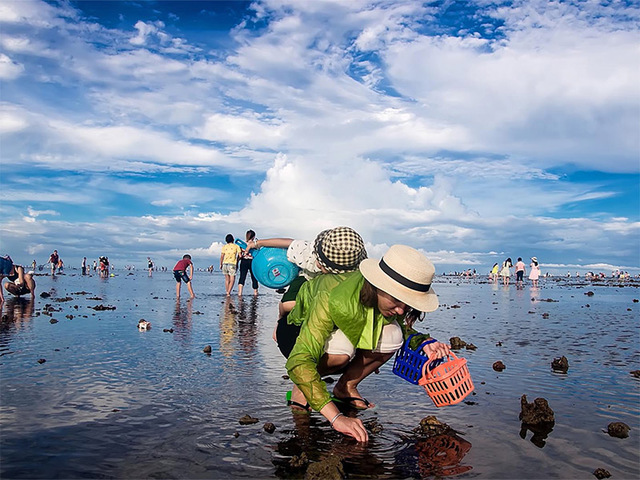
(339, 414)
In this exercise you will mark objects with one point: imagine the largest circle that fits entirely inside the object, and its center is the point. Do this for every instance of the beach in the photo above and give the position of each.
(89, 395)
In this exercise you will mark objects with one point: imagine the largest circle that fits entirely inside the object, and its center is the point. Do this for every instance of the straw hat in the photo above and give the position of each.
(339, 249)
(534, 259)
(405, 274)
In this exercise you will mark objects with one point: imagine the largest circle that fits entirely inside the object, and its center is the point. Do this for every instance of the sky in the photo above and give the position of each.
(473, 131)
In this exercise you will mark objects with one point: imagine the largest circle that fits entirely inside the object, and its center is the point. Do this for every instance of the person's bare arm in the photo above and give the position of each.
(271, 242)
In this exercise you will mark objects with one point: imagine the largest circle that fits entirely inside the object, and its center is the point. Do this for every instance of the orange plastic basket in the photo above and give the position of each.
(448, 383)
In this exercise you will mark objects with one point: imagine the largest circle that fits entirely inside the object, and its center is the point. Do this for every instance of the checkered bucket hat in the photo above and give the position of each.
(339, 249)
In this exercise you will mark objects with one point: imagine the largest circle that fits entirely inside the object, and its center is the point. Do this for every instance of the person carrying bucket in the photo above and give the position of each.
(354, 323)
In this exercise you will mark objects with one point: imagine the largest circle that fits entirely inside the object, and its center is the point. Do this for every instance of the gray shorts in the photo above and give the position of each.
(229, 268)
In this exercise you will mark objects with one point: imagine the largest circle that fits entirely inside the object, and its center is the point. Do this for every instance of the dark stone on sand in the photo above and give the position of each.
(63, 299)
(168, 330)
(601, 473)
(431, 426)
(589, 293)
(207, 349)
(328, 469)
(635, 373)
(99, 308)
(53, 320)
(499, 366)
(248, 420)
(45, 295)
(41, 360)
(560, 364)
(457, 343)
(269, 427)
(537, 412)
(618, 429)
(471, 346)
(299, 461)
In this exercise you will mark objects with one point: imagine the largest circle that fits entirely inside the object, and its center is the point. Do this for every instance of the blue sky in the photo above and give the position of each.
(470, 130)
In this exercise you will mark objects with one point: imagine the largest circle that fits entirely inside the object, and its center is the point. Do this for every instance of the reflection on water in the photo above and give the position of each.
(436, 456)
(540, 432)
(16, 315)
(182, 318)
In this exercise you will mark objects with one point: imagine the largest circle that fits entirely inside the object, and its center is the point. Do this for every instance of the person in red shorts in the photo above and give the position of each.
(180, 274)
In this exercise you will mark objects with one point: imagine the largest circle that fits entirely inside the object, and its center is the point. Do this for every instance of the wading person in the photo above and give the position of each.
(353, 323)
(183, 272)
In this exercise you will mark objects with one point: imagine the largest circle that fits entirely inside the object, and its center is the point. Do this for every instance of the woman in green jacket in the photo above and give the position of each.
(354, 323)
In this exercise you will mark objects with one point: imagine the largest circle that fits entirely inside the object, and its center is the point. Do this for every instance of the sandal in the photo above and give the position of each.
(350, 402)
(297, 405)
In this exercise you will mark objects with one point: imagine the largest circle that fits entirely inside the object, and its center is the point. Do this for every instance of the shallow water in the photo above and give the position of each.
(113, 402)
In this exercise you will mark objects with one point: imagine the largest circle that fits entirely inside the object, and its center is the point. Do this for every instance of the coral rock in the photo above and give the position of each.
(537, 412)
(498, 366)
(618, 430)
(560, 364)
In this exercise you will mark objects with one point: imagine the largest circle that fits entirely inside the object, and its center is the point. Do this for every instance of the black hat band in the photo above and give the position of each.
(419, 287)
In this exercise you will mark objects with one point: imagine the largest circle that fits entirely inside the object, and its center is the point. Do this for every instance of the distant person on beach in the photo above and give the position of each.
(183, 271)
(150, 265)
(246, 259)
(95, 266)
(336, 250)
(104, 266)
(494, 272)
(53, 260)
(520, 271)
(20, 282)
(34, 265)
(60, 266)
(534, 273)
(229, 257)
(84, 265)
(505, 271)
(353, 324)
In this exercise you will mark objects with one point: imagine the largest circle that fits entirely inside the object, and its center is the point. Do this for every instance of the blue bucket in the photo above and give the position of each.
(271, 267)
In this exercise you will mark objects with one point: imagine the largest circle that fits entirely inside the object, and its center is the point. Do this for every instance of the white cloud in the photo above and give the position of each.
(9, 70)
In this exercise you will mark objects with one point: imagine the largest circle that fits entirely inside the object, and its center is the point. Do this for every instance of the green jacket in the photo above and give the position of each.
(324, 304)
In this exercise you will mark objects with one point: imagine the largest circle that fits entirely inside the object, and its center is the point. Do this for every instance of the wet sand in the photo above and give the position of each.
(111, 401)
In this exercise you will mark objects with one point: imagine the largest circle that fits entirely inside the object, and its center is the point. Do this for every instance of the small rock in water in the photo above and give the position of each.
(560, 364)
(285, 377)
(499, 344)
(45, 295)
(635, 373)
(269, 427)
(167, 330)
(299, 461)
(207, 349)
(601, 473)
(635, 300)
(236, 434)
(328, 469)
(41, 360)
(589, 293)
(432, 426)
(499, 366)
(248, 420)
(618, 430)
(471, 346)
(53, 320)
(457, 343)
(545, 315)
(144, 325)
(537, 412)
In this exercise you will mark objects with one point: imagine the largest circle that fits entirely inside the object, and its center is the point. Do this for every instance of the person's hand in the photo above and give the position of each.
(436, 350)
(352, 427)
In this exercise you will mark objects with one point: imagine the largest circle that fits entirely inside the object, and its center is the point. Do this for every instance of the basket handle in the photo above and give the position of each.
(426, 342)
(426, 372)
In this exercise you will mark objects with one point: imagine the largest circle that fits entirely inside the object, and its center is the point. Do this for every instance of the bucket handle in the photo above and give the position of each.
(426, 372)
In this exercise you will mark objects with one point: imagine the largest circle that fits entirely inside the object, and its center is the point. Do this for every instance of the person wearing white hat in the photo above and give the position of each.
(351, 323)
(534, 272)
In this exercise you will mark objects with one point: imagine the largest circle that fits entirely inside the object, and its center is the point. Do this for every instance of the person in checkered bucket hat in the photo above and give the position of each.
(339, 250)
